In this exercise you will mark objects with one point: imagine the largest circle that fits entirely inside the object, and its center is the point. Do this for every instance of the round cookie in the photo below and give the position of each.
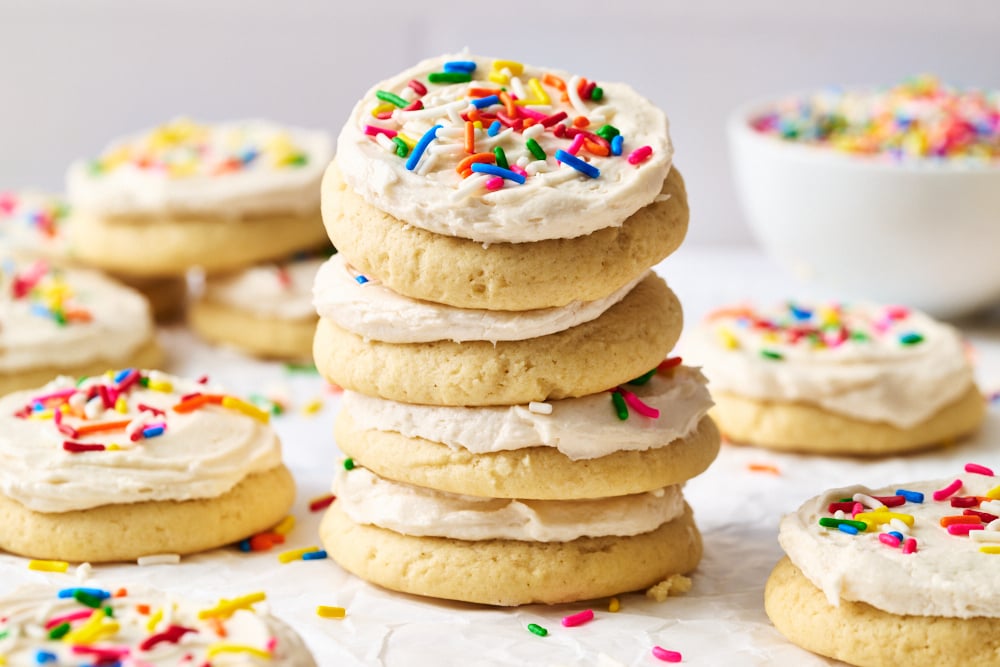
(849, 379)
(502, 276)
(511, 572)
(125, 629)
(217, 196)
(115, 467)
(265, 310)
(626, 341)
(72, 321)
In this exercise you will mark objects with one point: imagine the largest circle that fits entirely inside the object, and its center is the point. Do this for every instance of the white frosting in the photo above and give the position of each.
(373, 311)
(878, 379)
(27, 611)
(202, 454)
(947, 576)
(556, 201)
(412, 510)
(133, 182)
(580, 428)
(31, 224)
(281, 290)
(120, 321)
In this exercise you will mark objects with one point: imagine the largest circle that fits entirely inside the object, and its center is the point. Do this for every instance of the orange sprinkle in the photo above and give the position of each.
(473, 114)
(595, 148)
(508, 104)
(121, 592)
(551, 79)
(737, 312)
(477, 157)
(264, 541)
(142, 609)
(466, 173)
(483, 92)
(581, 122)
(78, 316)
(470, 138)
(528, 122)
(217, 626)
(104, 426)
(581, 86)
(959, 519)
(195, 402)
(764, 467)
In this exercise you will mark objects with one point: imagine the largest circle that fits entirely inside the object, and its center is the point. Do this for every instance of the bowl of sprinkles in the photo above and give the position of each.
(883, 193)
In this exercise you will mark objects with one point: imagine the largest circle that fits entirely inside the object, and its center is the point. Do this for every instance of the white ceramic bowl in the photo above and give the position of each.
(923, 233)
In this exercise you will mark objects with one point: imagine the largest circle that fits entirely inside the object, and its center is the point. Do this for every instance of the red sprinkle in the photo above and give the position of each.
(985, 517)
(171, 634)
(321, 503)
(670, 362)
(910, 546)
(965, 501)
(77, 447)
(156, 411)
(890, 501)
(418, 88)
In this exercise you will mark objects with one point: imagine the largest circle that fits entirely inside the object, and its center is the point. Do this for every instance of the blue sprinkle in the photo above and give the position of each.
(483, 102)
(577, 163)
(911, 496)
(360, 279)
(37, 407)
(314, 555)
(43, 657)
(465, 66)
(616, 144)
(40, 310)
(96, 592)
(494, 128)
(244, 546)
(895, 533)
(850, 530)
(152, 431)
(493, 170)
(418, 150)
(249, 155)
(121, 375)
(800, 314)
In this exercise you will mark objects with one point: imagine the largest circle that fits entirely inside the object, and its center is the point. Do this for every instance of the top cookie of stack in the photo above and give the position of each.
(456, 183)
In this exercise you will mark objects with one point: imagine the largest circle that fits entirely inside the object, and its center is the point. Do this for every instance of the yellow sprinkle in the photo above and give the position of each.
(312, 407)
(281, 143)
(515, 67)
(880, 517)
(994, 493)
(539, 92)
(161, 385)
(990, 549)
(614, 605)
(225, 608)
(499, 77)
(248, 409)
(85, 633)
(121, 405)
(295, 554)
(286, 525)
(382, 108)
(216, 649)
(324, 611)
(828, 316)
(113, 447)
(728, 340)
(48, 565)
(478, 124)
(409, 141)
(42, 414)
(154, 620)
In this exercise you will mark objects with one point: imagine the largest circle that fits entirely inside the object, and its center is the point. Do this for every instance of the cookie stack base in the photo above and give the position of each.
(860, 634)
(510, 572)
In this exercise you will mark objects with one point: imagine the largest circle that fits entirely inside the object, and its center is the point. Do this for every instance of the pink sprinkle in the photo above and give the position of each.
(530, 113)
(373, 131)
(964, 528)
(636, 404)
(494, 183)
(272, 644)
(68, 618)
(518, 170)
(640, 155)
(910, 546)
(663, 654)
(941, 494)
(62, 393)
(8, 202)
(977, 469)
(889, 540)
(577, 144)
(858, 509)
(580, 618)
(102, 654)
(897, 312)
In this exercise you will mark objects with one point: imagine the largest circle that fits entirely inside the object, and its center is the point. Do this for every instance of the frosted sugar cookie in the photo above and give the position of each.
(566, 449)
(905, 574)
(837, 378)
(502, 551)
(69, 321)
(188, 194)
(137, 626)
(265, 310)
(34, 225)
(133, 463)
(505, 358)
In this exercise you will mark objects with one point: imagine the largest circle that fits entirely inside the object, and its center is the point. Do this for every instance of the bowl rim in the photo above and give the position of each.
(738, 126)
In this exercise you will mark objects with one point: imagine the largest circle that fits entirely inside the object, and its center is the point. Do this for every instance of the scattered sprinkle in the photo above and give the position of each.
(663, 654)
(578, 618)
(324, 611)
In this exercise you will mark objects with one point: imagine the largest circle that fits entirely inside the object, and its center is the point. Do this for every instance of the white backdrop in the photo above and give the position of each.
(74, 74)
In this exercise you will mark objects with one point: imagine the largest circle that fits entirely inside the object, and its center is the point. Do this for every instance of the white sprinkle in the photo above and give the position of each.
(540, 408)
(993, 525)
(900, 526)
(867, 501)
(455, 114)
(518, 87)
(83, 571)
(574, 97)
(408, 94)
(385, 142)
(94, 407)
(470, 185)
(159, 559)
(991, 506)
(984, 535)
(839, 514)
(534, 131)
(78, 400)
(402, 117)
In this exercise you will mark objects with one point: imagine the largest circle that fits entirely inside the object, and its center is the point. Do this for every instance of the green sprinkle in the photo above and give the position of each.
(391, 98)
(536, 629)
(620, 407)
(860, 336)
(608, 132)
(829, 522)
(109, 611)
(846, 500)
(144, 381)
(83, 597)
(80, 380)
(59, 631)
(643, 379)
(449, 77)
(297, 160)
(402, 150)
(301, 368)
(3, 635)
(597, 93)
(59, 317)
(501, 157)
(348, 464)
(911, 339)
(535, 149)
(771, 354)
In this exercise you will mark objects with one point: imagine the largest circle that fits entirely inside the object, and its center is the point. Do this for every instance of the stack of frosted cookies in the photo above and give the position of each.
(515, 430)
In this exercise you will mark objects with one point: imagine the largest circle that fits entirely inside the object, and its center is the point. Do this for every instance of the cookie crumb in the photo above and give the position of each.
(675, 584)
